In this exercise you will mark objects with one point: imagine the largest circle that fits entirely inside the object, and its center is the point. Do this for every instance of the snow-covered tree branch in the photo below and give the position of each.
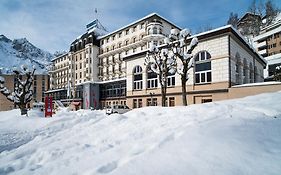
(163, 59)
(22, 93)
(277, 73)
(182, 44)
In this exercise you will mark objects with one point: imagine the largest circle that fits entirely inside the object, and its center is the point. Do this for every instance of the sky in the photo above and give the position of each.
(53, 24)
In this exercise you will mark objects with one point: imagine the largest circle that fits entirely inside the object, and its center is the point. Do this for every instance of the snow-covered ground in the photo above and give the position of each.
(230, 137)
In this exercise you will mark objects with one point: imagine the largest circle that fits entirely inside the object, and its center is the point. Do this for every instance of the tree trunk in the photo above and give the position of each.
(183, 86)
(23, 109)
(163, 94)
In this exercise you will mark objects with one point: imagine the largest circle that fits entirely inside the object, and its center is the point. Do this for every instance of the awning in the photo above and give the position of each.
(75, 103)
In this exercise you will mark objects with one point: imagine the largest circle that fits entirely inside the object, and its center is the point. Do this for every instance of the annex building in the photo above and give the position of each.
(39, 86)
(104, 68)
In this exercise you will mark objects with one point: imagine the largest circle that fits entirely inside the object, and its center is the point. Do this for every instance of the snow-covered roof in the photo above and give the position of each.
(54, 90)
(268, 33)
(59, 56)
(102, 82)
(236, 32)
(258, 84)
(137, 21)
(274, 59)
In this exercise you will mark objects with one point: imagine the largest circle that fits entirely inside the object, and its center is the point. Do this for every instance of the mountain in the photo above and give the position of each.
(14, 53)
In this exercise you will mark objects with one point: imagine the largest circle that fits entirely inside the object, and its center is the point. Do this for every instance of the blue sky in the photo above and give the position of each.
(53, 24)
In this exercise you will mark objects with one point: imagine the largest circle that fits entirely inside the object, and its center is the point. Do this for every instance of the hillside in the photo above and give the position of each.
(14, 53)
(232, 137)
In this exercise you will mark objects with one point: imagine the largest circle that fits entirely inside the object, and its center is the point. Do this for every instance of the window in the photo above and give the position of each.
(203, 72)
(120, 34)
(206, 100)
(171, 80)
(139, 103)
(135, 103)
(137, 75)
(127, 32)
(251, 73)
(171, 101)
(134, 28)
(119, 45)
(154, 30)
(151, 77)
(237, 68)
(151, 102)
(126, 42)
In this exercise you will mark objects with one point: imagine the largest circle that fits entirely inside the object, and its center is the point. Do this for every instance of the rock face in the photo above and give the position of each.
(14, 53)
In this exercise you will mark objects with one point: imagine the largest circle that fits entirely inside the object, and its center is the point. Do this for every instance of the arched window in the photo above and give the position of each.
(119, 45)
(245, 76)
(126, 42)
(237, 69)
(152, 81)
(251, 73)
(154, 30)
(137, 77)
(203, 72)
(256, 74)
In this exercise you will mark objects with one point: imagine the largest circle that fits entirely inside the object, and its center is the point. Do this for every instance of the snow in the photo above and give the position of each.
(258, 84)
(228, 137)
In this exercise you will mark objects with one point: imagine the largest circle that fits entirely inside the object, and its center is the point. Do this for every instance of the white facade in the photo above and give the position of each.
(116, 62)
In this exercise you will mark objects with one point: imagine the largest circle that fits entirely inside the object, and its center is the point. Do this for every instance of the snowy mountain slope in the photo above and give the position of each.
(21, 51)
(230, 137)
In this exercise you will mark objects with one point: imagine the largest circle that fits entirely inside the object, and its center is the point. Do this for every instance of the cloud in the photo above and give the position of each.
(54, 24)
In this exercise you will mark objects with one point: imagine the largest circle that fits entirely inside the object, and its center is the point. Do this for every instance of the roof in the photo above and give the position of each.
(137, 21)
(59, 56)
(229, 28)
(246, 14)
(217, 31)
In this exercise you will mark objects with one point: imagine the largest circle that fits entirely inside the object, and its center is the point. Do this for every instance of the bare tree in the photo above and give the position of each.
(270, 11)
(22, 93)
(253, 7)
(233, 19)
(204, 28)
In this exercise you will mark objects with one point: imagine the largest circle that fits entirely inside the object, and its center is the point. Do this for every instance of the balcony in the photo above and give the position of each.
(261, 45)
(123, 48)
(262, 52)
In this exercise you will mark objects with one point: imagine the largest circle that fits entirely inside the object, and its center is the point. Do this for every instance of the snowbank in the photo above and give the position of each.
(231, 137)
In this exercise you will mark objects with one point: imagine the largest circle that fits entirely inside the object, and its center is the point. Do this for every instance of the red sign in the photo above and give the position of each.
(48, 106)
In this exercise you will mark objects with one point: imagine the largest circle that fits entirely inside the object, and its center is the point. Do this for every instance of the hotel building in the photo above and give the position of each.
(105, 69)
